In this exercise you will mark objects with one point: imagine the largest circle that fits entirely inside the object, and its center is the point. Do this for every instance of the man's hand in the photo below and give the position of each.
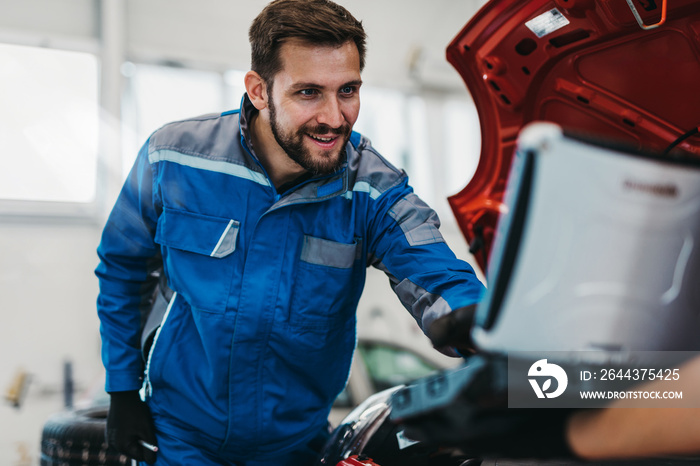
(129, 422)
(454, 330)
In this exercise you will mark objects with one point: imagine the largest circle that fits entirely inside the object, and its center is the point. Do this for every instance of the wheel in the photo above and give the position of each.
(77, 438)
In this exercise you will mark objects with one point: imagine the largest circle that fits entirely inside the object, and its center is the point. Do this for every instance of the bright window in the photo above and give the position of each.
(462, 144)
(161, 94)
(384, 119)
(48, 124)
(396, 124)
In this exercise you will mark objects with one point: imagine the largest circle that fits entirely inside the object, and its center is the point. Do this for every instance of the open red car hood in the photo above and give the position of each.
(600, 67)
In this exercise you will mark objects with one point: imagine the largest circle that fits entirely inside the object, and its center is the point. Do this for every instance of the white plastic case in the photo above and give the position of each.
(598, 251)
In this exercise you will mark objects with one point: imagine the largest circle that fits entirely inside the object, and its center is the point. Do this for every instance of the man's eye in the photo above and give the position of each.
(308, 92)
(347, 90)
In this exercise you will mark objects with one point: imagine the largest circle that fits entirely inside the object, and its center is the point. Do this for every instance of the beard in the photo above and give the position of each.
(292, 142)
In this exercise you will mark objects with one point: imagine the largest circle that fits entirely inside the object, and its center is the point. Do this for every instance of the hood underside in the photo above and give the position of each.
(625, 72)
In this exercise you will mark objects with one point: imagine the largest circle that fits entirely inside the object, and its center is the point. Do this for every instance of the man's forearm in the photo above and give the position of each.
(621, 431)
(634, 432)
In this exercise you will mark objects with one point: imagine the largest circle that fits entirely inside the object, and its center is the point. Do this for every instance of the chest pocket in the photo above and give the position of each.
(198, 256)
(325, 283)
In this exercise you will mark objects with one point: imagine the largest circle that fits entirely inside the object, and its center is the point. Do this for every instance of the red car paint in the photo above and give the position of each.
(602, 74)
(356, 460)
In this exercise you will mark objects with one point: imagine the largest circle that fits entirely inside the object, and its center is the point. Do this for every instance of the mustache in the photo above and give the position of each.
(325, 129)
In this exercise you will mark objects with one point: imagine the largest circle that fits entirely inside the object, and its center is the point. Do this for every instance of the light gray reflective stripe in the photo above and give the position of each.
(328, 253)
(365, 187)
(205, 164)
(437, 309)
(227, 242)
(418, 222)
(424, 306)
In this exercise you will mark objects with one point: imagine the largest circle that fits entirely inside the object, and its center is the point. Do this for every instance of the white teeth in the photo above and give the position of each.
(322, 139)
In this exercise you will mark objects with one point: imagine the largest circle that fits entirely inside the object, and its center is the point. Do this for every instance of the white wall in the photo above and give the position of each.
(47, 285)
(47, 297)
(214, 32)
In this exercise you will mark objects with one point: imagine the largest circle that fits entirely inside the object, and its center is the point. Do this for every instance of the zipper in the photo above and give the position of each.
(147, 389)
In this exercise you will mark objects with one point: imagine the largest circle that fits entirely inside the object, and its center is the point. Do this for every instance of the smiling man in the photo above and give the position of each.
(318, 94)
(234, 259)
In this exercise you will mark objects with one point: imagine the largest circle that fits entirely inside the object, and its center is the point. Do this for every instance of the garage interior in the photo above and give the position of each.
(83, 83)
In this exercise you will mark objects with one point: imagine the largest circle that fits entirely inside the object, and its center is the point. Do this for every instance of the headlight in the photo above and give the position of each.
(353, 433)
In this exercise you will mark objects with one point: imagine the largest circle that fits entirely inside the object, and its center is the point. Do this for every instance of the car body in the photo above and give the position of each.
(622, 74)
(596, 71)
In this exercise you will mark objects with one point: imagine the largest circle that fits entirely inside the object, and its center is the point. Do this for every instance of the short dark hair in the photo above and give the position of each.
(320, 22)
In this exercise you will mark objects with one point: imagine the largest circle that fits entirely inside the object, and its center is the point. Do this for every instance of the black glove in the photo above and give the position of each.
(128, 422)
(454, 329)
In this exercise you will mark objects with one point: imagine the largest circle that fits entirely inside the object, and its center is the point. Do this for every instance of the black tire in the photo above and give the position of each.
(77, 438)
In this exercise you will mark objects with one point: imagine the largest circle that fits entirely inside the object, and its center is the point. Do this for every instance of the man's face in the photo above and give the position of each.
(314, 103)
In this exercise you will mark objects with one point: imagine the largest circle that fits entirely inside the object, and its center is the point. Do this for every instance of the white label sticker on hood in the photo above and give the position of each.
(546, 23)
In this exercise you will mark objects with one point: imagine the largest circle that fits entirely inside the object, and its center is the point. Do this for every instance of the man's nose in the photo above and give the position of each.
(331, 113)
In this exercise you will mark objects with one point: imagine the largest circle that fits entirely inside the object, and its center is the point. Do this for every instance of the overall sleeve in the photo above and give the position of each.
(128, 256)
(429, 280)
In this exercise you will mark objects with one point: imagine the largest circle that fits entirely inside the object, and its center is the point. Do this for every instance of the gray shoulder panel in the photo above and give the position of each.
(213, 136)
(417, 220)
(370, 172)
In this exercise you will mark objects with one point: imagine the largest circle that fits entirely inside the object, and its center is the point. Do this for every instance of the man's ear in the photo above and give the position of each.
(256, 88)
